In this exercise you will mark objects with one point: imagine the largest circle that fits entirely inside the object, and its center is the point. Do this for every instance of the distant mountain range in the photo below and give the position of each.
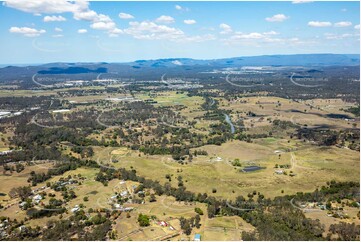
(154, 68)
(265, 60)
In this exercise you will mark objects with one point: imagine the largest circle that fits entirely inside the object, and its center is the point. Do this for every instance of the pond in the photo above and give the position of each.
(252, 168)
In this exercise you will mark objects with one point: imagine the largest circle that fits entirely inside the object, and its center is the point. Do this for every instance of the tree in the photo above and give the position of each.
(199, 211)
(143, 220)
(197, 219)
(23, 192)
(211, 211)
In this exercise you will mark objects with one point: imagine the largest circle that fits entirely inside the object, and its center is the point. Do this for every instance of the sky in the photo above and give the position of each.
(43, 31)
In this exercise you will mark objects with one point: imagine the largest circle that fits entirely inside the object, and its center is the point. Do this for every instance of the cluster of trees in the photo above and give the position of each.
(327, 137)
(188, 224)
(344, 231)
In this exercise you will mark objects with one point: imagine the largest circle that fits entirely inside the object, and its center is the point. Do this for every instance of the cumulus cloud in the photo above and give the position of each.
(115, 32)
(165, 19)
(125, 16)
(58, 29)
(343, 24)
(82, 31)
(190, 21)
(79, 9)
(226, 29)
(54, 18)
(28, 32)
(88, 15)
(45, 6)
(147, 30)
(319, 24)
(357, 26)
(150, 30)
(103, 25)
(57, 35)
(277, 18)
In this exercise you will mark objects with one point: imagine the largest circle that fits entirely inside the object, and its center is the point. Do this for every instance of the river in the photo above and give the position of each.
(228, 120)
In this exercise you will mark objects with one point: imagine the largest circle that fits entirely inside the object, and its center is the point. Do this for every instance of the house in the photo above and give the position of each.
(75, 209)
(126, 209)
(122, 182)
(162, 223)
(279, 172)
(21, 205)
(37, 198)
(124, 193)
(197, 237)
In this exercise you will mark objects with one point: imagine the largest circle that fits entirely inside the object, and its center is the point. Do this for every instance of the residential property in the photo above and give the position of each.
(197, 237)
(75, 209)
(37, 198)
(279, 172)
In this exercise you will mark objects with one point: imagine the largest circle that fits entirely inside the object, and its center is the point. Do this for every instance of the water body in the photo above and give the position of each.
(251, 168)
(228, 120)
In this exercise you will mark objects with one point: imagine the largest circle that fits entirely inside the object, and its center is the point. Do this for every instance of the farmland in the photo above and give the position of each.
(149, 161)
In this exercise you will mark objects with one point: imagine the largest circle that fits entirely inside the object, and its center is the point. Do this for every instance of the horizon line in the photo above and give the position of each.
(2, 65)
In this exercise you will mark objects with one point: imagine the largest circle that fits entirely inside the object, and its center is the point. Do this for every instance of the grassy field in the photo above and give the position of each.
(205, 173)
(310, 112)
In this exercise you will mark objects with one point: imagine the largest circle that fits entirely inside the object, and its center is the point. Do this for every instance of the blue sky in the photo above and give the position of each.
(36, 31)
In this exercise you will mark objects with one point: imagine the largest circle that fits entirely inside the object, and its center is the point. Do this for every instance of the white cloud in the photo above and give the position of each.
(270, 33)
(331, 36)
(343, 24)
(82, 31)
(28, 32)
(254, 35)
(357, 26)
(79, 9)
(44, 6)
(277, 18)
(165, 19)
(115, 32)
(88, 15)
(150, 30)
(260, 40)
(103, 25)
(344, 10)
(302, 1)
(54, 18)
(57, 35)
(319, 24)
(58, 29)
(125, 16)
(226, 29)
(190, 21)
(180, 8)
